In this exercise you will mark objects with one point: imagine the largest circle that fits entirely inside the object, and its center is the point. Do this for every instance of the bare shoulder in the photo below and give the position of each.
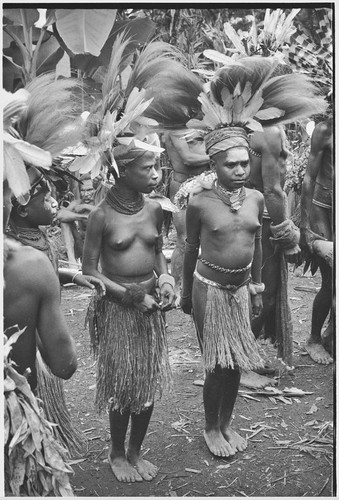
(255, 195)
(29, 266)
(99, 212)
(268, 138)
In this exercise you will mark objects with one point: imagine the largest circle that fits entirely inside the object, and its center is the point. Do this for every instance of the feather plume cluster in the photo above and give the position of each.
(245, 94)
(122, 106)
(51, 120)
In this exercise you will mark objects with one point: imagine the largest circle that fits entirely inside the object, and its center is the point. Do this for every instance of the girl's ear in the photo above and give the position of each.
(212, 164)
(22, 211)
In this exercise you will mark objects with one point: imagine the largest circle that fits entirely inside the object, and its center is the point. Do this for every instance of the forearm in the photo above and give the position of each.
(190, 260)
(306, 201)
(275, 204)
(112, 287)
(66, 275)
(257, 262)
(160, 265)
(196, 160)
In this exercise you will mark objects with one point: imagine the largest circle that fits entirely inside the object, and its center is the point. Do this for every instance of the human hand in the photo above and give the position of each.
(186, 303)
(147, 305)
(167, 296)
(90, 282)
(83, 208)
(292, 255)
(256, 301)
(65, 215)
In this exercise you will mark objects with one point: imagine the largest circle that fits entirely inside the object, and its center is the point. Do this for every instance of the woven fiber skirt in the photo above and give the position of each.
(227, 338)
(132, 355)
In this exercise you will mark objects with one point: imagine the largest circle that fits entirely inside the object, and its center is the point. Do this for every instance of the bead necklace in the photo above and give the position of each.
(33, 237)
(123, 204)
(233, 199)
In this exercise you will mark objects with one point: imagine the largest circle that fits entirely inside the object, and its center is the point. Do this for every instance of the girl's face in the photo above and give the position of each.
(141, 176)
(232, 167)
(42, 207)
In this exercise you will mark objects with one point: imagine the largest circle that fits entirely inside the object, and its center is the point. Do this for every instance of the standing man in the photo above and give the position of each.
(317, 227)
(188, 159)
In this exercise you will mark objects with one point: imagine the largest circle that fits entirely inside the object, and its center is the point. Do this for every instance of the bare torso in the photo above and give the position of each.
(325, 174)
(178, 165)
(128, 243)
(227, 239)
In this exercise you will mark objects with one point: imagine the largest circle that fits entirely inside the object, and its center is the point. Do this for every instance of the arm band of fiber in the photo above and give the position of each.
(166, 278)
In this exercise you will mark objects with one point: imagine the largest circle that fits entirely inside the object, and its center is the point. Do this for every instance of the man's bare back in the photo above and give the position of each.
(32, 301)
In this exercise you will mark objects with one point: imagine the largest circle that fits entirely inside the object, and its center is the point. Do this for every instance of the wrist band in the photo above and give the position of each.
(256, 288)
(75, 275)
(135, 293)
(166, 278)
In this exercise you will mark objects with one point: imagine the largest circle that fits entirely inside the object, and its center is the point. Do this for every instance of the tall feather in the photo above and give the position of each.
(51, 120)
(151, 61)
(296, 94)
(175, 92)
(245, 94)
(111, 92)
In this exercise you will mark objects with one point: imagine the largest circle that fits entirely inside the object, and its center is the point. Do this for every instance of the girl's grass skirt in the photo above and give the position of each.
(132, 355)
(227, 338)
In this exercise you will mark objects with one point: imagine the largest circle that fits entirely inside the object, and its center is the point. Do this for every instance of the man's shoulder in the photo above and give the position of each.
(29, 265)
(267, 137)
(254, 193)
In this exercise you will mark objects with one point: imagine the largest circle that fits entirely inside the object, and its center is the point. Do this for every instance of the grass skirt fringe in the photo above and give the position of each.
(50, 390)
(131, 348)
(227, 336)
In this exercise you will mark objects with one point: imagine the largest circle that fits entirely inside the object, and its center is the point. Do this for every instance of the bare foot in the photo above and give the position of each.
(146, 469)
(318, 353)
(237, 442)
(217, 444)
(123, 470)
(256, 381)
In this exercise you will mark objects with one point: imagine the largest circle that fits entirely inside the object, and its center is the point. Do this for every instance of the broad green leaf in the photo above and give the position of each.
(49, 55)
(85, 31)
(15, 16)
(63, 67)
(18, 31)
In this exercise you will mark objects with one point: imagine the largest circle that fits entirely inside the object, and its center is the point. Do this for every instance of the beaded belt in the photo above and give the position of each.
(224, 269)
(229, 288)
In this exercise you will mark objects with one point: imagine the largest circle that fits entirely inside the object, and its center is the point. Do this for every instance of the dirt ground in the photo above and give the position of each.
(289, 450)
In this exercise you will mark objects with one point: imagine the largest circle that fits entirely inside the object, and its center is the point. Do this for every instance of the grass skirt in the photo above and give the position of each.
(132, 355)
(227, 336)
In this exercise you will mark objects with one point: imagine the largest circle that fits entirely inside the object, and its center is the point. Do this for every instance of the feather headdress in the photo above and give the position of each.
(46, 123)
(243, 94)
(123, 105)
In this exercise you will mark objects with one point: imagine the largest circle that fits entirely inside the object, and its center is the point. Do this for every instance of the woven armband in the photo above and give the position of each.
(134, 294)
(166, 278)
(255, 288)
(159, 244)
(191, 247)
(286, 234)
